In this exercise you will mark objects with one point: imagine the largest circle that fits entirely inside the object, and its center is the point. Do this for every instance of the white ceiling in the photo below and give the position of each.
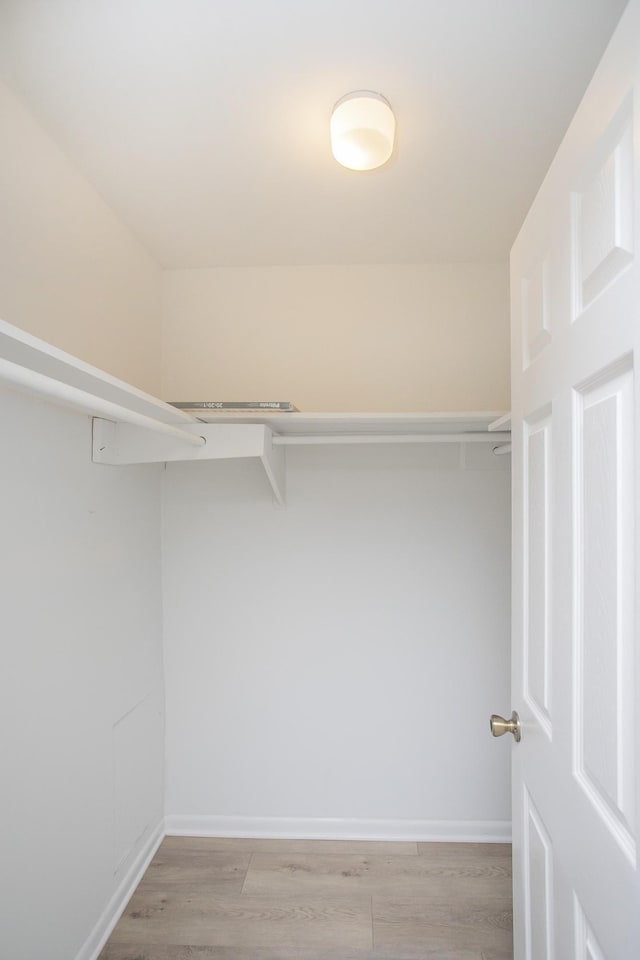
(204, 123)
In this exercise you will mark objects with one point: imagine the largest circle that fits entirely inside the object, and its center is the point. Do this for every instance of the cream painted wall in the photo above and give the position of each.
(70, 271)
(388, 338)
(358, 338)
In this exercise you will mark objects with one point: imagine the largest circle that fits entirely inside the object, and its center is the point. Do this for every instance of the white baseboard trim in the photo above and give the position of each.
(113, 911)
(296, 828)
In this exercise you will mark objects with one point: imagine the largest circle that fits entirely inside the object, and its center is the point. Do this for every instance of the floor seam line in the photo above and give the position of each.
(373, 936)
(246, 874)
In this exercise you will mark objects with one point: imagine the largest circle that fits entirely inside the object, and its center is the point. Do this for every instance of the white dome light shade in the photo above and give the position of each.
(363, 129)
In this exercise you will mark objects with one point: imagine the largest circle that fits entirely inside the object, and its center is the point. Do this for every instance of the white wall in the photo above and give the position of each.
(356, 338)
(70, 272)
(81, 687)
(339, 657)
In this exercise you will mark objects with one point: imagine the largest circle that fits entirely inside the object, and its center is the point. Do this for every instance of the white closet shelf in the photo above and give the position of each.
(31, 353)
(131, 426)
(294, 428)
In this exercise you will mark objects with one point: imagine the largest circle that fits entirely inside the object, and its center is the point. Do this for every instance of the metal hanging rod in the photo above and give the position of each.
(69, 396)
(284, 440)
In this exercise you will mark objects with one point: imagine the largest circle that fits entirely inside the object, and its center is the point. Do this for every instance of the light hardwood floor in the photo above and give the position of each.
(208, 899)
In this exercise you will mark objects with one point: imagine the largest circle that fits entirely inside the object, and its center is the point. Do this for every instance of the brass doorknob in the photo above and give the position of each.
(500, 726)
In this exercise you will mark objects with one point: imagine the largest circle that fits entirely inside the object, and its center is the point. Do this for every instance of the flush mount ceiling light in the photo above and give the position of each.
(362, 130)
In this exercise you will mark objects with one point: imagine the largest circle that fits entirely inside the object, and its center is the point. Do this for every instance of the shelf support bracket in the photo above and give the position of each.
(273, 461)
(123, 443)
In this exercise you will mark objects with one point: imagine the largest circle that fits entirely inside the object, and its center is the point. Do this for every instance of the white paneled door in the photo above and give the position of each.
(575, 276)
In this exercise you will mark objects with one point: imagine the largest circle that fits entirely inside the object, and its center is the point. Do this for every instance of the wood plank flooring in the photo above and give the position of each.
(209, 899)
